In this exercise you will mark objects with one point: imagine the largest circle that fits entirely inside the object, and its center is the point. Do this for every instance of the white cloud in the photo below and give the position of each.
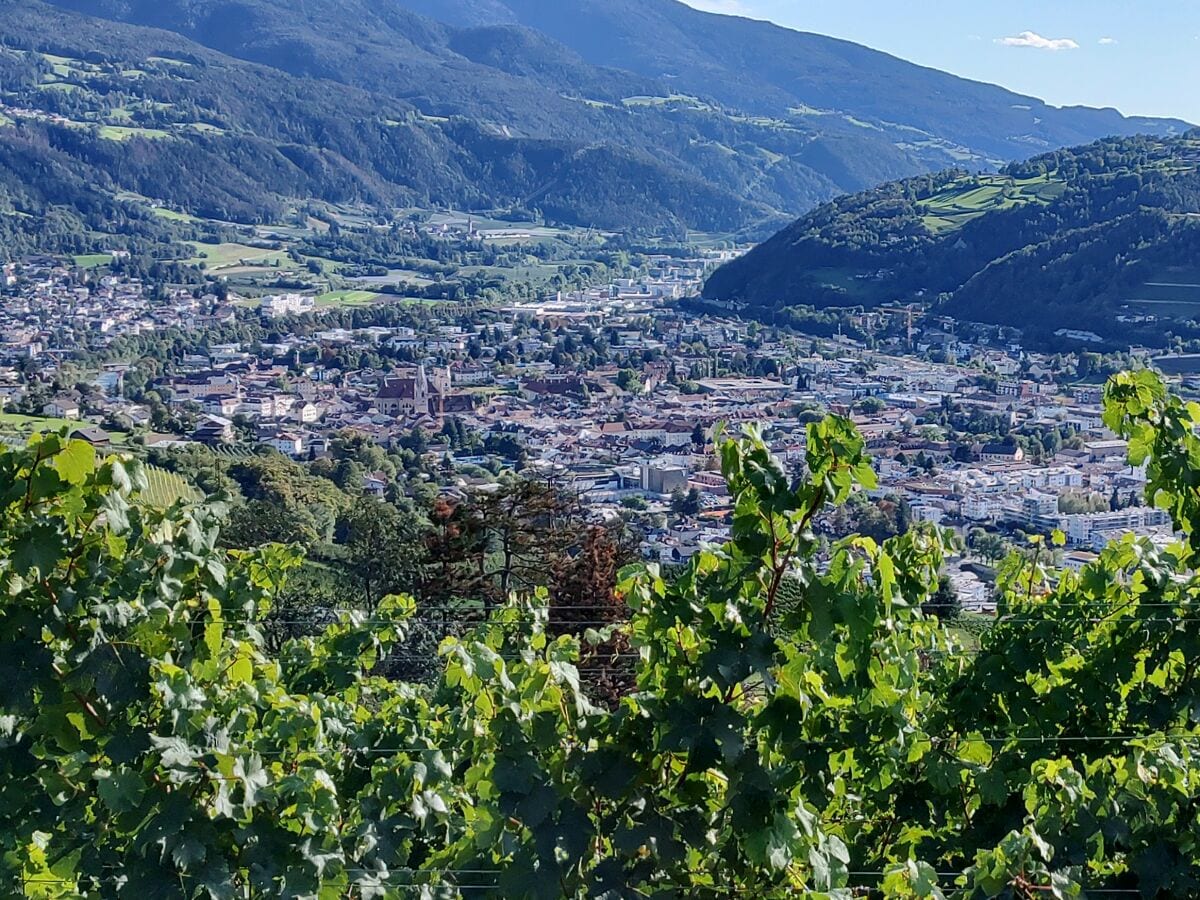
(1108, 41)
(1037, 42)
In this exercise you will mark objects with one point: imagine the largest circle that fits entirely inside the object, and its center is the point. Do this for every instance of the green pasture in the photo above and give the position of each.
(93, 260)
(27, 425)
(123, 133)
(225, 256)
(347, 298)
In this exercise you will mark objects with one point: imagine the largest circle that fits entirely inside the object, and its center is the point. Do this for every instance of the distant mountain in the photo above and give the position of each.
(618, 113)
(155, 113)
(767, 70)
(1102, 238)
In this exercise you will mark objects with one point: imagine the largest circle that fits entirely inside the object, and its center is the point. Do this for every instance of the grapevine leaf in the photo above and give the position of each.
(76, 462)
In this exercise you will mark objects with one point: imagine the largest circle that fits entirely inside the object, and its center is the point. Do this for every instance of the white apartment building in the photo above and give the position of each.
(1081, 527)
(981, 507)
(278, 305)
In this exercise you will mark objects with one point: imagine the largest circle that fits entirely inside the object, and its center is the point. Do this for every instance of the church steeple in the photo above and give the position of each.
(421, 394)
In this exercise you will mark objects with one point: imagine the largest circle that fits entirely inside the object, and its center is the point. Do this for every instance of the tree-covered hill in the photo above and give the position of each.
(701, 121)
(786, 725)
(48, 203)
(153, 113)
(1103, 238)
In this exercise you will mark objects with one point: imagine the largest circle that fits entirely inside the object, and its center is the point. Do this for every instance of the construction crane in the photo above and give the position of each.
(911, 313)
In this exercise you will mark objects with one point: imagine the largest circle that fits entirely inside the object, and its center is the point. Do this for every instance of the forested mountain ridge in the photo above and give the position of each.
(1100, 238)
(507, 104)
(150, 112)
(769, 70)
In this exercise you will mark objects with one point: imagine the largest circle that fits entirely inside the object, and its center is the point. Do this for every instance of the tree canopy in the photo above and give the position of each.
(1060, 241)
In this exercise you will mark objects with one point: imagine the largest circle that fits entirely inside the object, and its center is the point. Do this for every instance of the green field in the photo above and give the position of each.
(118, 123)
(172, 216)
(396, 276)
(226, 256)
(643, 100)
(956, 205)
(67, 67)
(707, 239)
(970, 627)
(594, 104)
(93, 260)
(122, 133)
(347, 298)
(17, 423)
(533, 273)
(971, 196)
(63, 66)
(329, 265)
(455, 216)
(253, 262)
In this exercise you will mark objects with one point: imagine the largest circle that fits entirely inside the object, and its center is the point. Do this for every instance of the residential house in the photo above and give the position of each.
(64, 406)
(93, 436)
(214, 430)
(289, 443)
(1002, 453)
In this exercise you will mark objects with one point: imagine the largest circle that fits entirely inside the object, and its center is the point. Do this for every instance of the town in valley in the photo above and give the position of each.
(613, 391)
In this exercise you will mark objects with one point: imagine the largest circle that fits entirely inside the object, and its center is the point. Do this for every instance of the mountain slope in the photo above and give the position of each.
(513, 83)
(48, 205)
(1104, 238)
(771, 119)
(154, 113)
(768, 70)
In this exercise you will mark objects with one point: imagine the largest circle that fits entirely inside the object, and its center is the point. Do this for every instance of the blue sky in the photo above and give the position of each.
(1141, 56)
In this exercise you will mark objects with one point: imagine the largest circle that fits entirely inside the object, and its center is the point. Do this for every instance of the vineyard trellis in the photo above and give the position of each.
(824, 741)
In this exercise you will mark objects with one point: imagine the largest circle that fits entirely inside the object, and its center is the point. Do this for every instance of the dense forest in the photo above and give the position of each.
(1070, 235)
(48, 205)
(846, 114)
(773, 722)
(152, 113)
